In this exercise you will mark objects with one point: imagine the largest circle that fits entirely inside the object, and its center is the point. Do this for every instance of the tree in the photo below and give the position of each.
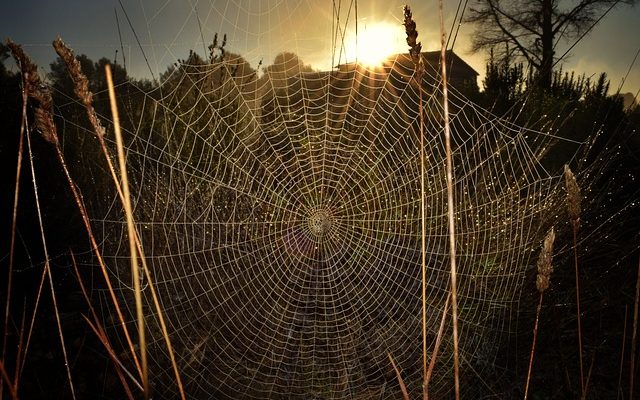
(288, 63)
(533, 29)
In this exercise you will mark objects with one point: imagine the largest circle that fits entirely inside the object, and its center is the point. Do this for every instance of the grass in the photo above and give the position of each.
(634, 337)
(573, 208)
(133, 250)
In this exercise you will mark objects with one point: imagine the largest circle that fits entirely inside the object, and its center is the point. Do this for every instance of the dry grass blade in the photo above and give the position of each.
(101, 334)
(135, 275)
(450, 205)
(573, 208)
(140, 249)
(403, 387)
(543, 279)
(119, 367)
(21, 360)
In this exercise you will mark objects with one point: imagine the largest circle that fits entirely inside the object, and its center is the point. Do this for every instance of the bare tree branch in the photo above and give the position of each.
(534, 28)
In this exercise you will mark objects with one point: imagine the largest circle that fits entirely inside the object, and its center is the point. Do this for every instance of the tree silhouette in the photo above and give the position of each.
(532, 29)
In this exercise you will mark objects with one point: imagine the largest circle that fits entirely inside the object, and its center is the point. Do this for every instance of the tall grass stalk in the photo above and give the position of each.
(133, 250)
(573, 207)
(94, 246)
(415, 49)
(145, 268)
(46, 122)
(21, 358)
(450, 203)
(545, 268)
(30, 80)
(43, 104)
(47, 267)
(12, 243)
(634, 337)
(14, 218)
(81, 89)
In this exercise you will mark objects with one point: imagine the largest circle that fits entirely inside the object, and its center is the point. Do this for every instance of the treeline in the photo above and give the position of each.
(574, 106)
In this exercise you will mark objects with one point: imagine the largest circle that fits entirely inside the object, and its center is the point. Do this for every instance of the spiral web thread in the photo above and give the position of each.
(280, 218)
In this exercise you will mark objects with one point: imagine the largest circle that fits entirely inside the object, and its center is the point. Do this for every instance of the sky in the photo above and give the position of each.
(153, 34)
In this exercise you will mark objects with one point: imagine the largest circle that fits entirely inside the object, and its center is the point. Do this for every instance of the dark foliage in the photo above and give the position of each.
(604, 136)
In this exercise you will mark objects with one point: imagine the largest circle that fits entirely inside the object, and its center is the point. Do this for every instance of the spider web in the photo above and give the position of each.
(280, 217)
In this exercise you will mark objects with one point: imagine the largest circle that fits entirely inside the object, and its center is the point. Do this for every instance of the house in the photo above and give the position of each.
(461, 75)
(351, 89)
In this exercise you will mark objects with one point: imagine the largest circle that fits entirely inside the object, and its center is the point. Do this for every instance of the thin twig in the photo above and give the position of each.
(450, 206)
(135, 275)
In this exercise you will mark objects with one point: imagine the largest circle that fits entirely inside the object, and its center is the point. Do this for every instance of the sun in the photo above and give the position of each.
(374, 43)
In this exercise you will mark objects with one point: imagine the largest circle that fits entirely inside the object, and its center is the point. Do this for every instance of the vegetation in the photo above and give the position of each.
(573, 106)
(531, 30)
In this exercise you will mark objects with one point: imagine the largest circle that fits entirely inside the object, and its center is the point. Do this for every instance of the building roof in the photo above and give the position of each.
(457, 67)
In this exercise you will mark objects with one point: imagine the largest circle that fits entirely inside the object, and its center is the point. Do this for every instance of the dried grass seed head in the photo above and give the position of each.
(545, 267)
(415, 47)
(80, 83)
(37, 91)
(573, 195)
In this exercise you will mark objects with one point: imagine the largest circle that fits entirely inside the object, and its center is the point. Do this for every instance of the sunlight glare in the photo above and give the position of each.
(375, 43)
